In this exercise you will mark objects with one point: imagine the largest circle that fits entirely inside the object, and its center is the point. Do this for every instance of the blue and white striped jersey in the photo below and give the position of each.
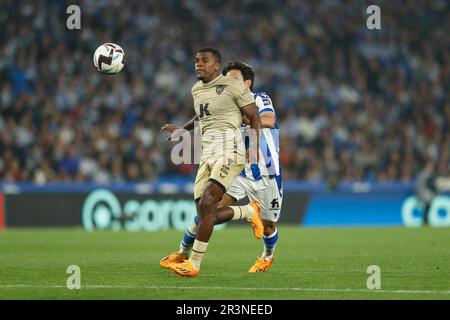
(269, 144)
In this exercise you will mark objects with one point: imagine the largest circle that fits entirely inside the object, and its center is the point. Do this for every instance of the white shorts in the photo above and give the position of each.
(265, 191)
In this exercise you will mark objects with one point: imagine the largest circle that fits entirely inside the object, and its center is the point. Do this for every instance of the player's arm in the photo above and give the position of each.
(190, 124)
(267, 120)
(169, 127)
(251, 112)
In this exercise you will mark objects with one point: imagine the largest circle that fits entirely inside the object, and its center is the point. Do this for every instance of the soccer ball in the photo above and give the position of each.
(108, 58)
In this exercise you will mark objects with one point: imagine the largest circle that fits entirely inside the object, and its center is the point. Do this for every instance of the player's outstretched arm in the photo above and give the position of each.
(252, 114)
(172, 128)
(190, 124)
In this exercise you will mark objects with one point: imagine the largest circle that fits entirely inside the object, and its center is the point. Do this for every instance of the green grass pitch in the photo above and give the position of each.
(309, 264)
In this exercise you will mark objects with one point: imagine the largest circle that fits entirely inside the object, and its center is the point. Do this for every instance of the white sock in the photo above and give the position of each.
(197, 253)
(270, 243)
(242, 212)
(250, 211)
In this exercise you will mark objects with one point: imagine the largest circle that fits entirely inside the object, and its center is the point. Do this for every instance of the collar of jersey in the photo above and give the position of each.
(212, 81)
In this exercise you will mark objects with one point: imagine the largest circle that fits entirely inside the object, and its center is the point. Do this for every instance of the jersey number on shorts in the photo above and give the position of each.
(204, 110)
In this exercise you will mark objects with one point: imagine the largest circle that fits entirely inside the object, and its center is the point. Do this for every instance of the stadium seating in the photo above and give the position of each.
(353, 104)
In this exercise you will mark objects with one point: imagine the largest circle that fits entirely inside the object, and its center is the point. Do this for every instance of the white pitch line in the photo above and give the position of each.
(303, 289)
(18, 286)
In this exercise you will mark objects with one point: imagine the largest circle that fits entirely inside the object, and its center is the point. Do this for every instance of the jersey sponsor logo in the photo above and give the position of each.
(219, 89)
(204, 110)
(275, 204)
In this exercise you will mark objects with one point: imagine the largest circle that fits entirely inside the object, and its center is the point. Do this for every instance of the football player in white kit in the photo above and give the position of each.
(261, 183)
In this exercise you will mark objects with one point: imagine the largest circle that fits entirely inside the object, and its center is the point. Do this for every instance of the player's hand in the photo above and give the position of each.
(245, 120)
(169, 127)
(173, 129)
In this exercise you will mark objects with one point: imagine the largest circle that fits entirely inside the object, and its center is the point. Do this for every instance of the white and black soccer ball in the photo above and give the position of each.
(108, 58)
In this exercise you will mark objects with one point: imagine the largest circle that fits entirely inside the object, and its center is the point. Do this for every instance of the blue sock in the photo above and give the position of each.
(189, 237)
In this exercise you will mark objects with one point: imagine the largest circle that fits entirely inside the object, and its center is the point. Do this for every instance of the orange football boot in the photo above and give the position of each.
(255, 220)
(175, 257)
(261, 265)
(185, 269)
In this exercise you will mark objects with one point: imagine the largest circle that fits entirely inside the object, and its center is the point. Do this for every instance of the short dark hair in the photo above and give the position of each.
(214, 52)
(245, 69)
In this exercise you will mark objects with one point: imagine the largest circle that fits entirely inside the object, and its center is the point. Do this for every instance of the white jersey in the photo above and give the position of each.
(269, 145)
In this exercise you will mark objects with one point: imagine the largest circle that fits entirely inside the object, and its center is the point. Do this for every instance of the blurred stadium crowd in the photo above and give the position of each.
(352, 103)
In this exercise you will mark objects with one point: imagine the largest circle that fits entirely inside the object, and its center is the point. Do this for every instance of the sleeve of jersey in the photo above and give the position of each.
(192, 90)
(242, 94)
(264, 104)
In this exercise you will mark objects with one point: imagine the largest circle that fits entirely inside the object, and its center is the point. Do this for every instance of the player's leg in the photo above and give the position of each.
(224, 216)
(206, 208)
(270, 239)
(222, 175)
(221, 216)
(191, 232)
(225, 212)
(270, 199)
